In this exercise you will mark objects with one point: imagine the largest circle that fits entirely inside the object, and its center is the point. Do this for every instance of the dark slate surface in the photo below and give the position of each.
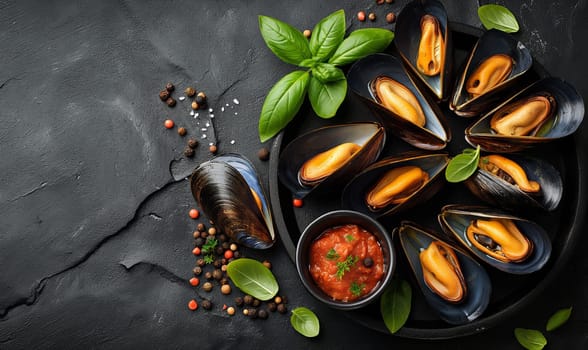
(95, 241)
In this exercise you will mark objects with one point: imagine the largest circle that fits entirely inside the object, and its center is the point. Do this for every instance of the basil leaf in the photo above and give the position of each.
(530, 339)
(558, 319)
(308, 62)
(326, 98)
(498, 17)
(395, 305)
(285, 41)
(282, 103)
(253, 278)
(360, 43)
(327, 35)
(327, 73)
(305, 322)
(463, 165)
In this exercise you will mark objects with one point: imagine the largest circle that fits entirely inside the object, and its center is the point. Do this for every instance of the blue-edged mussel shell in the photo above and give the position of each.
(223, 189)
(434, 164)
(492, 42)
(568, 115)
(371, 136)
(433, 136)
(501, 193)
(414, 239)
(408, 37)
(454, 219)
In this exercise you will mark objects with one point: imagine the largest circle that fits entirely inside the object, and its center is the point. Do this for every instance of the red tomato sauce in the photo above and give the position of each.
(346, 262)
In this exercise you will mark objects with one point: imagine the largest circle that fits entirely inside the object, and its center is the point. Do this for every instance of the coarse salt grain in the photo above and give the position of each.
(191, 112)
(236, 113)
(203, 136)
(232, 142)
(222, 109)
(210, 110)
(235, 101)
(211, 116)
(203, 129)
(207, 124)
(181, 98)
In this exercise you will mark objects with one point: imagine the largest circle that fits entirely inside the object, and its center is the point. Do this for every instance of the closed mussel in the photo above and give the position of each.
(547, 110)
(492, 70)
(229, 191)
(517, 182)
(422, 38)
(506, 242)
(395, 184)
(381, 81)
(453, 283)
(329, 156)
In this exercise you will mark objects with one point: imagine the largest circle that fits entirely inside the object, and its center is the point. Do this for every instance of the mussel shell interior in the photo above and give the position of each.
(454, 219)
(222, 188)
(490, 43)
(433, 136)
(354, 193)
(408, 33)
(500, 193)
(369, 135)
(413, 239)
(565, 121)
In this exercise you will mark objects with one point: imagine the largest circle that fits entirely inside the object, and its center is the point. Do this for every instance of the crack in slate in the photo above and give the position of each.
(38, 188)
(163, 272)
(32, 299)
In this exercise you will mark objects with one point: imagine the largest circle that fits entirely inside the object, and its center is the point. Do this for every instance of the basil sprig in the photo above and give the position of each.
(558, 319)
(498, 17)
(530, 339)
(305, 322)
(462, 166)
(322, 55)
(395, 304)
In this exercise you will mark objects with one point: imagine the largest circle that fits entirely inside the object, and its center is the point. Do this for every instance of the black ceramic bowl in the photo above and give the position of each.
(340, 218)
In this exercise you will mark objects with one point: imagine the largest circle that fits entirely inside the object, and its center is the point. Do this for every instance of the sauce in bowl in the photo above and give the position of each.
(346, 262)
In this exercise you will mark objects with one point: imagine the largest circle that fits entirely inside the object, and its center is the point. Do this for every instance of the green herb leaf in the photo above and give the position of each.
(209, 246)
(345, 265)
(327, 73)
(253, 278)
(285, 41)
(498, 17)
(463, 165)
(308, 62)
(326, 98)
(305, 322)
(327, 35)
(332, 254)
(282, 103)
(530, 339)
(356, 288)
(558, 319)
(395, 304)
(360, 43)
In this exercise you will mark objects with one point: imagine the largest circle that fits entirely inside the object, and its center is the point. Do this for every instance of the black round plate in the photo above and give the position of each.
(509, 293)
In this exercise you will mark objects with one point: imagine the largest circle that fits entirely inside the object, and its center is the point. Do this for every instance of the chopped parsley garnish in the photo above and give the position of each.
(332, 254)
(208, 250)
(345, 265)
(349, 238)
(356, 288)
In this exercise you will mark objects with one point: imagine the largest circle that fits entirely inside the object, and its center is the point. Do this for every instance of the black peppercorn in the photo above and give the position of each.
(203, 234)
(217, 263)
(200, 262)
(239, 301)
(188, 152)
(219, 250)
(163, 95)
(182, 132)
(263, 154)
(248, 299)
(193, 144)
(224, 281)
(284, 299)
(206, 304)
(222, 237)
(252, 313)
(170, 102)
(262, 314)
(271, 306)
(208, 275)
(282, 308)
(169, 87)
(207, 286)
(190, 91)
(196, 234)
(225, 245)
(368, 262)
(197, 270)
(217, 274)
(256, 302)
(199, 242)
(236, 255)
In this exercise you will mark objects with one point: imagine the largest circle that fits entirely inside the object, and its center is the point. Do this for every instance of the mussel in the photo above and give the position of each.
(423, 40)
(453, 283)
(329, 156)
(495, 65)
(380, 80)
(546, 110)
(396, 183)
(517, 182)
(509, 243)
(228, 190)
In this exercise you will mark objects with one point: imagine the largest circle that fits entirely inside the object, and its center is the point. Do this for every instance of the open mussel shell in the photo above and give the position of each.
(499, 192)
(496, 54)
(228, 190)
(414, 240)
(423, 40)
(455, 219)
(564, 120)
(355, 195)
(369, 136)
(364, 75)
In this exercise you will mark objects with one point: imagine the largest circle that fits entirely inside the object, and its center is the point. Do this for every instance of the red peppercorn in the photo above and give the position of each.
(192, 305)
(168, 123)
(390, 17)
(228, 254)
(196, 251)
(361, 16)
(297, 202)
(212, 149)
(194, 213)
(194, 281)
